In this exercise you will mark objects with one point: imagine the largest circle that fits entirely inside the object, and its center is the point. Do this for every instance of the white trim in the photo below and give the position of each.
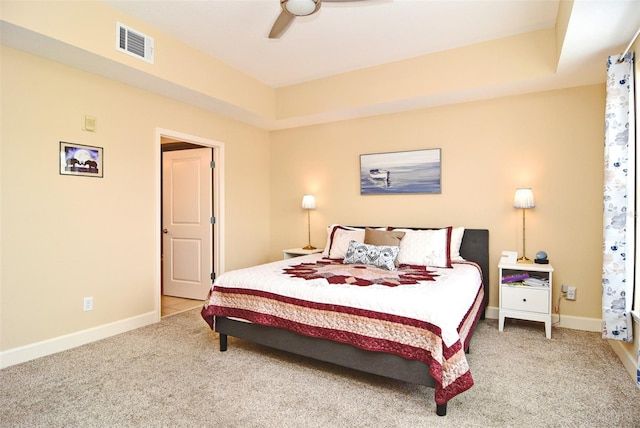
(32, 351)
(577, 323)
(218, 200)
(157, 275)
(629, 360)
(492, 312)
(566, 321)
(636, 297)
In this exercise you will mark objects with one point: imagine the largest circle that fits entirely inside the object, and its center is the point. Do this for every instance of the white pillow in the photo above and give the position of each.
(457, 233)
(426, 247)
(340, 241)
(330, 229)
(325, 251)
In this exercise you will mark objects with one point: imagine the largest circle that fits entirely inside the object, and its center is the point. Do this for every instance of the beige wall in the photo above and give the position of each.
(90, 26)
(66, 237)
(511, 60)
(551, 141)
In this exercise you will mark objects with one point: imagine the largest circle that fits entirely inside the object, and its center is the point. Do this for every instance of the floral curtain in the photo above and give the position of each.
(619, 200)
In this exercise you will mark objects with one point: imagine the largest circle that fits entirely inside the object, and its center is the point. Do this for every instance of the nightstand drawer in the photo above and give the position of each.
(525, 299)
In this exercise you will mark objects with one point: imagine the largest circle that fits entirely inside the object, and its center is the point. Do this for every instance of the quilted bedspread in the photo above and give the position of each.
(423, 314)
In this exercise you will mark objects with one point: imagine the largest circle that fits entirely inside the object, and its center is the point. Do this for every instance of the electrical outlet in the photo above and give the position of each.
(571, 293)
(88, 304)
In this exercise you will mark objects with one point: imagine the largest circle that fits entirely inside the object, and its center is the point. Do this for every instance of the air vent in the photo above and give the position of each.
(134, 43)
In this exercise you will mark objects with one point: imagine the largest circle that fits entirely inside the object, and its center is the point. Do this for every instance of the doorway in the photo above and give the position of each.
(187, 220)
(187, 262)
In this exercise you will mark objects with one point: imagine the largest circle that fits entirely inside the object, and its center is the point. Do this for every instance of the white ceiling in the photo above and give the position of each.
(352, 35)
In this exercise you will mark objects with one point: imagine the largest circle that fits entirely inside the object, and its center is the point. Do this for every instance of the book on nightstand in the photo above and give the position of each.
(536, 282)
(515, 277)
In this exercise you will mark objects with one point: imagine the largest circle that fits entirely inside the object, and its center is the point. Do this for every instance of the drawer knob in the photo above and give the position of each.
(524, 300)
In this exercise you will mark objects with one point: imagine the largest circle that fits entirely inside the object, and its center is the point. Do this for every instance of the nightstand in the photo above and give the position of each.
(297, 252)
(525, 293)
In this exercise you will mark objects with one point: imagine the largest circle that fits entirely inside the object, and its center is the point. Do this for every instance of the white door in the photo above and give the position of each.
(186, 223)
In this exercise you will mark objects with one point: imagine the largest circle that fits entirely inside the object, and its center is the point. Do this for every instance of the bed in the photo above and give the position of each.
(333, 309)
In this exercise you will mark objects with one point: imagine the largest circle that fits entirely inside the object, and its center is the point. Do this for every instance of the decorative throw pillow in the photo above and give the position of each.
(426, 248)
(383, 237)
(340, 239)
(382, 256)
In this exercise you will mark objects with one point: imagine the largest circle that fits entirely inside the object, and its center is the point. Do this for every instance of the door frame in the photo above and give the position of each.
(217, 189)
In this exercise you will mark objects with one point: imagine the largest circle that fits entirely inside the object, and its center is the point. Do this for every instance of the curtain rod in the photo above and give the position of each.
(629, 46)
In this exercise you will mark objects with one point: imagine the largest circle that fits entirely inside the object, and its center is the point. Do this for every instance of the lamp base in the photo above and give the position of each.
(309, 247)
(524, 259)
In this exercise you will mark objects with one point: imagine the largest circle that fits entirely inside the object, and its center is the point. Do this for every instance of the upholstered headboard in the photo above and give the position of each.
(475, 246)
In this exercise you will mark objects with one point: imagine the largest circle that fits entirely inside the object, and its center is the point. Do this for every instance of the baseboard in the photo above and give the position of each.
(629, 361)
(566, 321)
(628, 352)
(22, 354)
(492, 312)
(576, 323)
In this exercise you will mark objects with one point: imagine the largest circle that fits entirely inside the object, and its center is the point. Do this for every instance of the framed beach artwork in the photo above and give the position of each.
(77, 159)
(416, 171)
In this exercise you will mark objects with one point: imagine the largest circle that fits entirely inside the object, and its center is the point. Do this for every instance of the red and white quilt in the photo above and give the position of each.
(424, 314)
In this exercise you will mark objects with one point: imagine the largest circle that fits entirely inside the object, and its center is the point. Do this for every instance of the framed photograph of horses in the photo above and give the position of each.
(77, 159)
(401, 173)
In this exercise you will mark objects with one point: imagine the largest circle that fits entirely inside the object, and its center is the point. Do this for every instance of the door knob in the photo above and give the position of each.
(165, 230)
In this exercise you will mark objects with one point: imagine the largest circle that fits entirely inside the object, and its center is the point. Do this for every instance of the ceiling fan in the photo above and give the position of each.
(293, 8)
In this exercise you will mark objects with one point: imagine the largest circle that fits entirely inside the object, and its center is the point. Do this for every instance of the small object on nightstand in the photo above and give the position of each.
(541, 258)
(509, 257)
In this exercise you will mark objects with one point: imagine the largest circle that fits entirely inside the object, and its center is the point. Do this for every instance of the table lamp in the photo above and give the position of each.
(523, 199)
(309, 203)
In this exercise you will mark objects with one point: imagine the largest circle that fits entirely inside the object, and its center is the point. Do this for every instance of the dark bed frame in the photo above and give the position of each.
(475, 247)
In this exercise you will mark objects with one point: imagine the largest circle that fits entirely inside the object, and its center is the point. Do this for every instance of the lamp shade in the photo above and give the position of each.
(301, 7)
(308, 202)
(523, 198)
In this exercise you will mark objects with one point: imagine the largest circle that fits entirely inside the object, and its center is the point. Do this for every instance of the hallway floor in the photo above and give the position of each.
(173, 305)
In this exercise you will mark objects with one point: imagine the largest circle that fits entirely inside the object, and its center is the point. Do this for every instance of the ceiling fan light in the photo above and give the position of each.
(301, 7)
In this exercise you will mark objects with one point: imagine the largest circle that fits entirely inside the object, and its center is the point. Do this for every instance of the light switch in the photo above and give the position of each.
(89, 123)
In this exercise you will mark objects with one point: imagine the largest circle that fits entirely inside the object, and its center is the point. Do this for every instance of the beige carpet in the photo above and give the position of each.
(171, 374)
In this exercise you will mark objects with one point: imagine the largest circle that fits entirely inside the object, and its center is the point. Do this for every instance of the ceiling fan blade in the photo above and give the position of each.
(283, 22)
